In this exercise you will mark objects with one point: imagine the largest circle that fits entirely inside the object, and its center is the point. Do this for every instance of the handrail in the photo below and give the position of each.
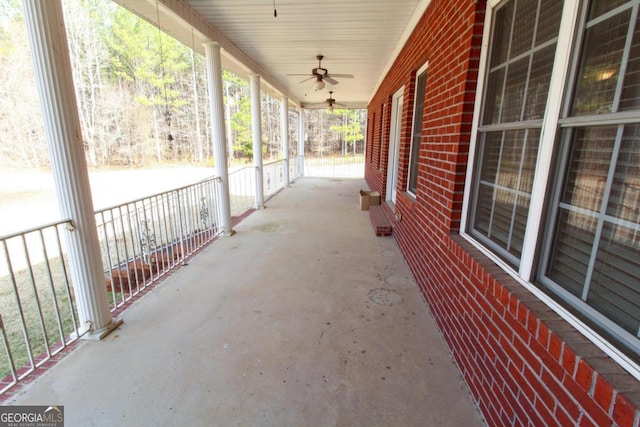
(141, 240)
(213, 177)
(36, 228)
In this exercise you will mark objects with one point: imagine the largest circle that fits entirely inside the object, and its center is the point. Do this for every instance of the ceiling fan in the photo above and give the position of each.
(330, 102)
(322, 75)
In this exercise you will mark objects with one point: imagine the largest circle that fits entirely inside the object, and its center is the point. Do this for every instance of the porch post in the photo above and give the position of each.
(216, 108)
(301, 141)
(284, 123)
(48, 42)
(256, 123)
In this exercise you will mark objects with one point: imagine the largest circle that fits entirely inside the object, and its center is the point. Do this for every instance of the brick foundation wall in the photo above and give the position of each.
(523, 363)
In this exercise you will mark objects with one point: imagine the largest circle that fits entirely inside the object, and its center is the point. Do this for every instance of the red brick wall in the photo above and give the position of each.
(523, 363)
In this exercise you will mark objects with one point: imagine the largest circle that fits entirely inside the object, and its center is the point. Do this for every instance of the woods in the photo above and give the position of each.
(142, 98)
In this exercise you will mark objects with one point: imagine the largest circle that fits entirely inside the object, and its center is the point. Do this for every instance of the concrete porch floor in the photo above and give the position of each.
(302, 318)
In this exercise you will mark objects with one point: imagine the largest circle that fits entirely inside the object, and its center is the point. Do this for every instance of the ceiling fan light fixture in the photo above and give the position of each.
(318, 85)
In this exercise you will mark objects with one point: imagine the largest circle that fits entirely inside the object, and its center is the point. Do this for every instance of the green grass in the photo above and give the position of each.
(49, 298)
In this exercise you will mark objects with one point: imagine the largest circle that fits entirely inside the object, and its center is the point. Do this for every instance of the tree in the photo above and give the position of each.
(350, 129)
(238, 106)
(20, 117)
(141, 96)
(331, 132)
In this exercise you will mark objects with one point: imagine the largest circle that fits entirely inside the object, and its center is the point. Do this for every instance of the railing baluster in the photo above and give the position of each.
(32, 279)
(170, 224)
(140, 240)
(151, 232)
(16, 294)
(7, 348)
(67, 285)
(181, 229)
(135, 222)
(157, 226)
(51, 286)
(132, 260)
(123, 263)
(118, 262)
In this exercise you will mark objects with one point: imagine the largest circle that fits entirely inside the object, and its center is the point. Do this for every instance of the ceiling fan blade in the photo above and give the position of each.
(337, 103)
(342, 76)
(330, 80)
(297, 75)
(306, 80)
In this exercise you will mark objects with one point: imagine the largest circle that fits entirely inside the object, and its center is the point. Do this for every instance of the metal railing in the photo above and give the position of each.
(273, 180)
(38, 316)
(141, 241)
(242, 184)
(295, 170)
(334, 166)
(144, 239)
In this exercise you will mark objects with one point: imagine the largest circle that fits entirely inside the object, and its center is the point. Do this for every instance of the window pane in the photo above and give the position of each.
(539, 83)
(415, 157)
(511, 159)
(517, 66)
(513, 98)
(600, 7)
(506, 176)
(484, 209)
(624, 198)
(519, 225)
(526, 20)
(528, 164)
(630, 99)
(503, 201)
(600, 66)
(615, 285)
(416, 134)
(589, 166)
(494, 97)
(574, 237)
(502, 34)
(549, 20)
(596, 254)
(491, 156)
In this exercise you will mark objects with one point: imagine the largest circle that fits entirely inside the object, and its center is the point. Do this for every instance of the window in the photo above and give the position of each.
(594, 245)
(586, 241)
(416, 131)
(518, 77)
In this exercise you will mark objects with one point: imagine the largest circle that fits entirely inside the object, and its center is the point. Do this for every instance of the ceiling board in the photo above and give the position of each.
(356, 37)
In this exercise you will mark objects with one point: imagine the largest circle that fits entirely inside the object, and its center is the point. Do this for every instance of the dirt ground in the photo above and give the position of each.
(27, 198)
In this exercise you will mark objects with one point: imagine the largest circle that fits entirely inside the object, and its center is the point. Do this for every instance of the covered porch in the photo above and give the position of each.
(303, 317)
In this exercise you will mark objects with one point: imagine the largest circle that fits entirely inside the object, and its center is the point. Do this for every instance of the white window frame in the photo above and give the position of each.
(393, 157)
(526, 269)
(421, 70)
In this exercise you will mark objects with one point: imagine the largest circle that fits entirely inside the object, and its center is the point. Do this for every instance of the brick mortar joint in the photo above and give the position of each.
(485, 264)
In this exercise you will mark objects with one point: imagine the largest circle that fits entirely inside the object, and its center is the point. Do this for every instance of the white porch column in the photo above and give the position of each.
(256, 123)
(284, 123)
(301, 141)
(48, 42)
(216, 108)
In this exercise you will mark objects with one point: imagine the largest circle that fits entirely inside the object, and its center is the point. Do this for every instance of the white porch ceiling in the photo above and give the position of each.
(359, 37)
